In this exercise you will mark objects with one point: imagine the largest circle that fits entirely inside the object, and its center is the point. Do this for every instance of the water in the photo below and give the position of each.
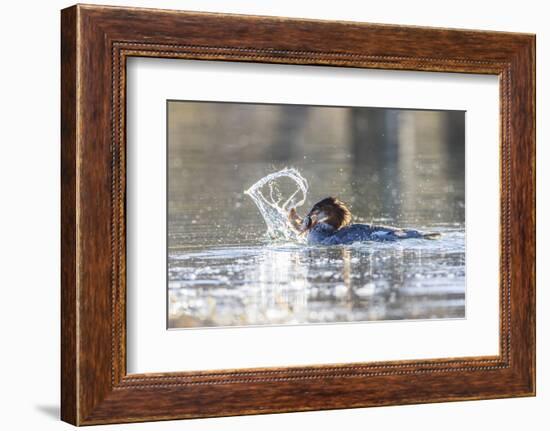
(274, 278)
(295, 284)
(274, 206)
(232, 261)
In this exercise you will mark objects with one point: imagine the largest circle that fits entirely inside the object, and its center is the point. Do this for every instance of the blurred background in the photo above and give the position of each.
(392, 166)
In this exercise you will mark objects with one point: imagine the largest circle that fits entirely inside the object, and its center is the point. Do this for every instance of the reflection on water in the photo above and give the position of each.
(394, 167)
(289, 284)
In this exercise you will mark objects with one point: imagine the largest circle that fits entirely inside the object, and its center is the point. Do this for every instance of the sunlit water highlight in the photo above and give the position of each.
(268, 195)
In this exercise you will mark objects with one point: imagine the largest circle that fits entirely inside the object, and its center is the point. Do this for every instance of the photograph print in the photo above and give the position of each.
(284, 214)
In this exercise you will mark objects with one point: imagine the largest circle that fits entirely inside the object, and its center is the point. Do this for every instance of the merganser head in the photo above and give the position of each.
(331, 211)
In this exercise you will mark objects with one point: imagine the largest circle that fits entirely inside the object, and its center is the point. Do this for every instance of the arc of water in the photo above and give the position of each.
(274, 214)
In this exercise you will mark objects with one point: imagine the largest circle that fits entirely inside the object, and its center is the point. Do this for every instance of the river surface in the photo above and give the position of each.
(224, 271)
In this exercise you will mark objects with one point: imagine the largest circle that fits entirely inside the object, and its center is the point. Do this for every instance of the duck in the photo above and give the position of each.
(329, 223)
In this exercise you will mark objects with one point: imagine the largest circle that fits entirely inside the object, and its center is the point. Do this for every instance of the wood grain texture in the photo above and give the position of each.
(96, 41)
(69, 397)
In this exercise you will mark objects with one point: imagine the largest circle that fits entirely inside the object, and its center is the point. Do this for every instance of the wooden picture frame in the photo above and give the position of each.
(95, 43)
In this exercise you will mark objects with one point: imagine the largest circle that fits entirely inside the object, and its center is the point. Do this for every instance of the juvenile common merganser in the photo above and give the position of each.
(329, 223)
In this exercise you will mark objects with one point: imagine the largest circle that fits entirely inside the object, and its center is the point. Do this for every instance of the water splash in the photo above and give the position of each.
(269, 196)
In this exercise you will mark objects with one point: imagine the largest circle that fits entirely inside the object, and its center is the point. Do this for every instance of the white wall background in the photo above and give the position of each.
(29, 214)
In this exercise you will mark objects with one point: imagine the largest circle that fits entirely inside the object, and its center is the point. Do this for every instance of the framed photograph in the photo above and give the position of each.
(265, 215)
